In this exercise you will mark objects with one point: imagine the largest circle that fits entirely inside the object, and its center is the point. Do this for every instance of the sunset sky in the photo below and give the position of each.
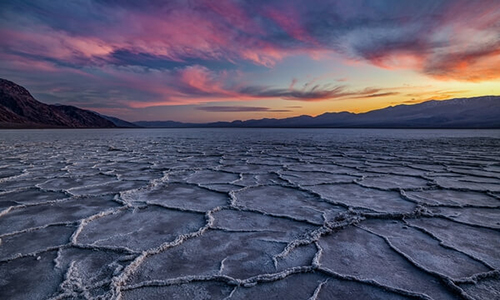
(200, 61)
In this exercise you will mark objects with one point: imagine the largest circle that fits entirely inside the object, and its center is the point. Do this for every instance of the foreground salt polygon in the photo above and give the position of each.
(249, 214)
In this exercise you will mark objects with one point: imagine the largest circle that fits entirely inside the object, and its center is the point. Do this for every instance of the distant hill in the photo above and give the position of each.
(18, 109)
(477, 112)
(119, 122)
(165, 124)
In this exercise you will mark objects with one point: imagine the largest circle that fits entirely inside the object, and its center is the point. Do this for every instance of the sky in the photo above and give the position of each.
(224, 60)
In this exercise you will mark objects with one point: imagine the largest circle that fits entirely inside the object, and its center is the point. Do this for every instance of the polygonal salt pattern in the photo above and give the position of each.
(250, 214)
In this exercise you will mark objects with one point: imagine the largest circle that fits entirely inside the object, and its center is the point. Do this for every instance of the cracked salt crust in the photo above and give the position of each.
(281, 214)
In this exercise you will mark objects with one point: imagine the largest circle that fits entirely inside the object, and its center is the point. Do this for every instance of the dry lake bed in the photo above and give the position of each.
(249, 214)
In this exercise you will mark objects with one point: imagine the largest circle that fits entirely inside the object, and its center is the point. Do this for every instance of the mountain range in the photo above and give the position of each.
(18, 109)
(477, 112)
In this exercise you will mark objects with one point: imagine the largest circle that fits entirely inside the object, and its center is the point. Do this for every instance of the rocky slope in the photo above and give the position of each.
(18, 109)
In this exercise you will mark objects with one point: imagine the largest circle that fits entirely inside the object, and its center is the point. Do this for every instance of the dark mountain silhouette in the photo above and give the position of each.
(477, 112)
(18, 109)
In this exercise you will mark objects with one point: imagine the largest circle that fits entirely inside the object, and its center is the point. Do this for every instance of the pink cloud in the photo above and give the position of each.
(175, 36)
(210, 30)
(289, 20)
(235, 16)
(55, 44)
(461, 43)
(199, 79)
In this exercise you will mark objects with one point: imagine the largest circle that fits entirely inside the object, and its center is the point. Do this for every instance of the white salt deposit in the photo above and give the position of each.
(249, 214)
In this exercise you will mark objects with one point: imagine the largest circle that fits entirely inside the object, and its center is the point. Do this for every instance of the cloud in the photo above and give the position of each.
(239, 109)
(476, 64)
(385, 94)
(125, 54)
(312, 93)
(204, 85)
(447, 40)
(200, 81)
(426, 95)
(430, 37)
(287, 18)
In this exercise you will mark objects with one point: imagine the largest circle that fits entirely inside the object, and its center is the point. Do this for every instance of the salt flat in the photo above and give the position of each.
(250, 214)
